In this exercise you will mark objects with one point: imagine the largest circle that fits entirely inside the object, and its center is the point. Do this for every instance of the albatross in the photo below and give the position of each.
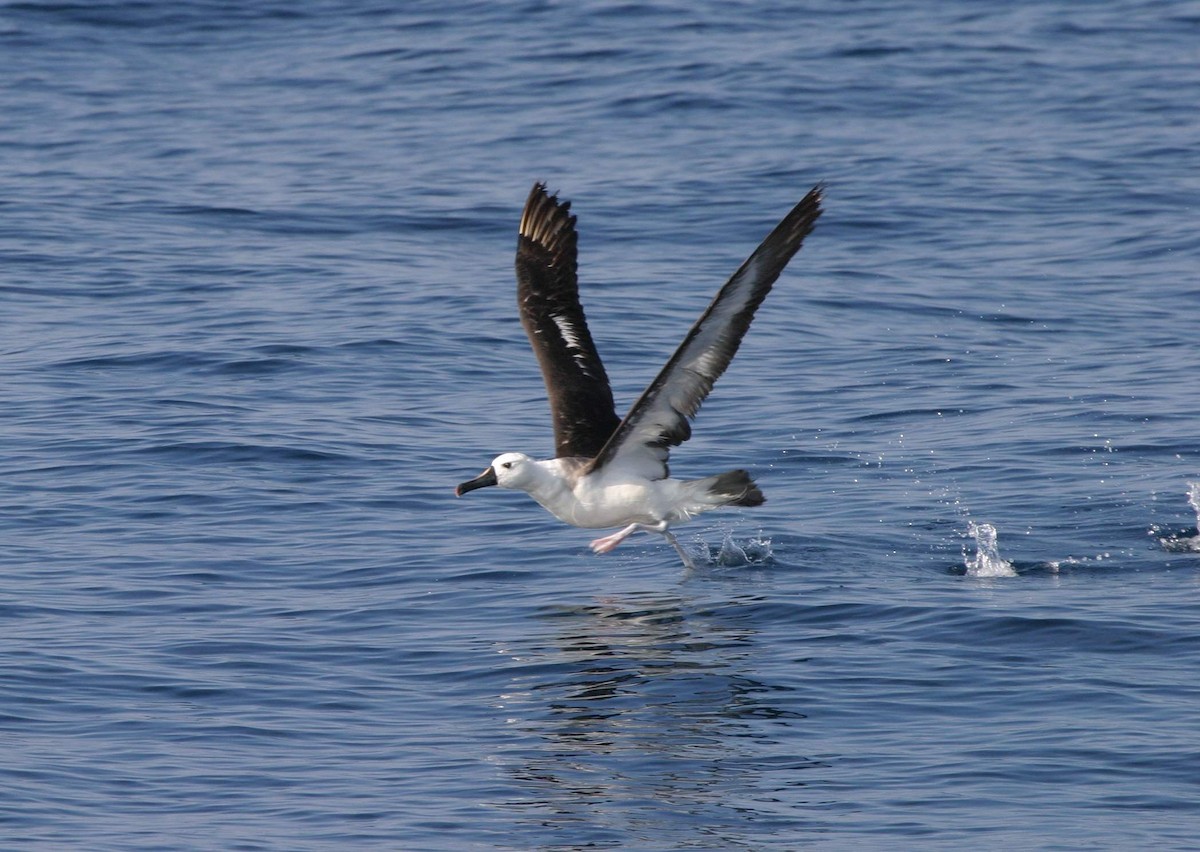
(607, 472)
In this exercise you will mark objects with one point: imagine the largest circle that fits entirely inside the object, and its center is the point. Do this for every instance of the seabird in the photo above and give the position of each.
(608, 472)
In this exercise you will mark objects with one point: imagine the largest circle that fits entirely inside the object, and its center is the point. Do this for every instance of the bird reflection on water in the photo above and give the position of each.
(649, 711)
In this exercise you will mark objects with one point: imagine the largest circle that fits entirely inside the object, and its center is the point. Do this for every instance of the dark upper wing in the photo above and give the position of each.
(659, 419)
(581, 400)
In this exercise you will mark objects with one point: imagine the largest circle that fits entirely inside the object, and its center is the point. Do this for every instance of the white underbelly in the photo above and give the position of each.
(613, 506)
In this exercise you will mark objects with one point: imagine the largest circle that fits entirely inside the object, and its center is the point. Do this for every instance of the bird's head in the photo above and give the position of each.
(510, 470)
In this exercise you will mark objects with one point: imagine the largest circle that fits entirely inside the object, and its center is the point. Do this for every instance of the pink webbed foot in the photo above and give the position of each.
(609, 542)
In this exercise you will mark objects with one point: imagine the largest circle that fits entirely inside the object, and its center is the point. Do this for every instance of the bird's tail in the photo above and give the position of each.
(731, 488)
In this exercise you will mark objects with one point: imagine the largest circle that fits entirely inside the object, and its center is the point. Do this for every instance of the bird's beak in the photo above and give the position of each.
(488, 477)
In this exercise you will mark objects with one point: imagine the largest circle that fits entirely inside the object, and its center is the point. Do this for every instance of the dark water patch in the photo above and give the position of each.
(218, 452)
(258, 366)
(148, 361)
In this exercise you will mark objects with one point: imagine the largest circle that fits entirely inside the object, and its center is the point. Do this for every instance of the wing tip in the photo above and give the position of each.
(805, 214)
(785, 240)
(545, 219)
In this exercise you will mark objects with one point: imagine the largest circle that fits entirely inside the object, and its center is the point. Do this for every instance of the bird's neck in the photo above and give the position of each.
(551, 488)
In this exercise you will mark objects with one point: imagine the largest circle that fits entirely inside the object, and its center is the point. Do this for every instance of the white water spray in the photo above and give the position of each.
(1180, 542)
(752, 551)
(987, 561)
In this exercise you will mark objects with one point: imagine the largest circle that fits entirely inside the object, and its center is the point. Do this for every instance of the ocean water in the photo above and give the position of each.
(259, 319)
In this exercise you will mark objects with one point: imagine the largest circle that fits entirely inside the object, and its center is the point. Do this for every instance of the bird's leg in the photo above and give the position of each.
(604, 545)
(609, 542)
(683, 554)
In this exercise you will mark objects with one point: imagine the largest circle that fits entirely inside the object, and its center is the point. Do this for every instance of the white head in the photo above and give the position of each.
(508, 470)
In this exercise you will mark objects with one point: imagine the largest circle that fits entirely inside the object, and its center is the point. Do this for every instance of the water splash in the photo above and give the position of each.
(732, 554)
(987, 561)
(1187, 541)
(1056, 565)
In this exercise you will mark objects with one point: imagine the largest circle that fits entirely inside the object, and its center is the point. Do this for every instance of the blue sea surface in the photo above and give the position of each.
(259, 319)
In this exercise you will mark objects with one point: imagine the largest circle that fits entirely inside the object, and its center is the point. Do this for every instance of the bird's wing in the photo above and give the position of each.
(659, 419)
(581, 400)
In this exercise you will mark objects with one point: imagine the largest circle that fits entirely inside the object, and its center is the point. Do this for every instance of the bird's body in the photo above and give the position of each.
(609, 472)
(610, 497)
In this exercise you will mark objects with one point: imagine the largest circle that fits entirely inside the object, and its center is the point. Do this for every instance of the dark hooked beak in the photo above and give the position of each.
(488, 477)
